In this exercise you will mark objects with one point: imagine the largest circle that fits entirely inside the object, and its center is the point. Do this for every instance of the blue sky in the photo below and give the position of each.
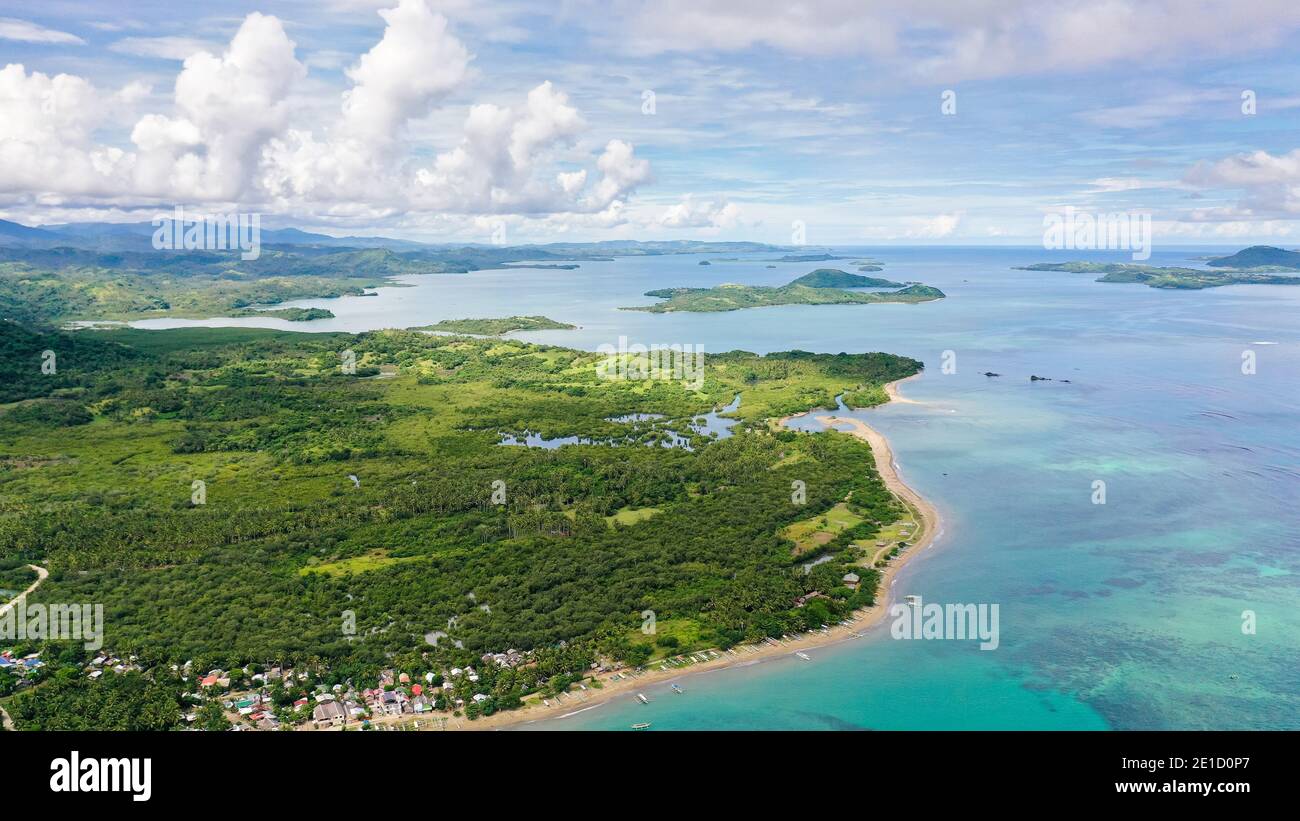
(449, 120)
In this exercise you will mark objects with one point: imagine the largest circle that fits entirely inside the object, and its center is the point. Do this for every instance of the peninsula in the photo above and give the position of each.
(497, 326)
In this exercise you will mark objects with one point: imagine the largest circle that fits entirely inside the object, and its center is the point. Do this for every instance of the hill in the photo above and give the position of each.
(835, 278)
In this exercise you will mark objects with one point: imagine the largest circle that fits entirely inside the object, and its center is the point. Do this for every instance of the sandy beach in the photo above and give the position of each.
(930, 527)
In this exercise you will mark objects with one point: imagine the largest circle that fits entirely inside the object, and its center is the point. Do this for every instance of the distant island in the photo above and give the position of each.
(808, 258)
(1258, 256)
(539, 266)
(497, 326)
(1257, 265)
(733, 297)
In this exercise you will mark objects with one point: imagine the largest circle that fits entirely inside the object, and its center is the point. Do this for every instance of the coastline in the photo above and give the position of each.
(930, 527)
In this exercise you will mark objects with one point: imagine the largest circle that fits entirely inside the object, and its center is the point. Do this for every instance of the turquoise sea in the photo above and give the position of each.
(1126, 614)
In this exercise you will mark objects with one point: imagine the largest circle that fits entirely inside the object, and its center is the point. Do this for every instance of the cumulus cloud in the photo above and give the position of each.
(621, 172)
(45, 135)
(690, 214)
(1270, 183)
(229, 138)
(227, 107)
(415, 64)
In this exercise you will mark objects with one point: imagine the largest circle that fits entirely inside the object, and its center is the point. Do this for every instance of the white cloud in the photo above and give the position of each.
(939, 226)
(27, 32)
(45, 135)
(1270, 184)
(690, 214)
(228, 137)
(622, 172)
(940, 40)
(227, 108)
(415, 64)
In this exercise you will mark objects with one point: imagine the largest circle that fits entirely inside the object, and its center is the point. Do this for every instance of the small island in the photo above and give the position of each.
(1257, 265)
(291, 314)
(733, 297)
(496, 326)
(808, 258)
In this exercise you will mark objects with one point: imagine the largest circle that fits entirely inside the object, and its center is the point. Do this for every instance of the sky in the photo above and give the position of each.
(847, 122)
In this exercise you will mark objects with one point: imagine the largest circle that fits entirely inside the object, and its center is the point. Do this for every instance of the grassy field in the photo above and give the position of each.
(816, 532)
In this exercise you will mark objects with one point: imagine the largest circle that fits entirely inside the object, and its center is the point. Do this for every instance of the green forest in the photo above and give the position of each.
(229, 495)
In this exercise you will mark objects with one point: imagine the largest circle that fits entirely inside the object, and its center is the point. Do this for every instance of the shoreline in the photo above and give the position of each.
(930, 528)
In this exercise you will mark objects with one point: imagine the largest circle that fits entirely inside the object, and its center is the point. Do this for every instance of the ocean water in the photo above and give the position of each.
(1127, 614)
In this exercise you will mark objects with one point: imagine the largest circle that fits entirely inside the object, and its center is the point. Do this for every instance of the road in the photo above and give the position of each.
(41, 575)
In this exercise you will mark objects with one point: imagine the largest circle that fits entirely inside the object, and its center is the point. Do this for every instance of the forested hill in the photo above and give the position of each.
(372, 491)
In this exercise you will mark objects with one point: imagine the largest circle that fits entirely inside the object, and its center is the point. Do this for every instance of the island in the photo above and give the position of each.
(732, 297)
(808, 258)
(291, 314)
(1258, 265)
(496, 326)
(1258, 256)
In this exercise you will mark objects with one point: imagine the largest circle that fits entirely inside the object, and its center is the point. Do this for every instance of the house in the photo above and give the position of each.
(851, 581)
(329, 714)
(390, 703)
(479, 698)
(300, 703)
(416, 689)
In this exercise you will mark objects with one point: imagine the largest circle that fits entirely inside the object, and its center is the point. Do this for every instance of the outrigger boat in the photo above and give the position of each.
(804, 656)
(678, 690)
(641, 698)
(642, 726)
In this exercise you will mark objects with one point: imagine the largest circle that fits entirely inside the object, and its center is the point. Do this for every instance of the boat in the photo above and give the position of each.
(641, 698)
(642, 726)
(678, 690)
(804, 656)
